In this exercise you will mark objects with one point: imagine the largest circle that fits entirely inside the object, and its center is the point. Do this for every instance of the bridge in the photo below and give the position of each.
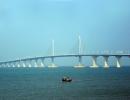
(27, 62)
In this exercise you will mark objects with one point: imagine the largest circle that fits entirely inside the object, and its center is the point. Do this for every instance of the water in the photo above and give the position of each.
(45, 84)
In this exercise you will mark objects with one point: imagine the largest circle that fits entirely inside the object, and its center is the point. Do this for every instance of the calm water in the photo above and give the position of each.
(45, 84)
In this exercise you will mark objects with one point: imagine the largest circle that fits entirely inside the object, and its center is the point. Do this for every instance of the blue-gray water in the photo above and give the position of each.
(45, 84)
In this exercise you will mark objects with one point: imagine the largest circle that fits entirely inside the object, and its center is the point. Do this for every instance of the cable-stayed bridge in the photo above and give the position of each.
(33, 62)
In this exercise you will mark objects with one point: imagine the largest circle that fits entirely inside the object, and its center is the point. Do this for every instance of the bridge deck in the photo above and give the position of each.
(69, 55)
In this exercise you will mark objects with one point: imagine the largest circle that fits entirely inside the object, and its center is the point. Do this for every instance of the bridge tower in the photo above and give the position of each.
(79, 53)
(53, 53)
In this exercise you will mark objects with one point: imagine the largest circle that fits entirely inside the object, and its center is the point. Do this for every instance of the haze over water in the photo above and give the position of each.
(45, 83)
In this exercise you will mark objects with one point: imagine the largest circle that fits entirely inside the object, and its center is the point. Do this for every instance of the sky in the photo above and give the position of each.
(28, 26)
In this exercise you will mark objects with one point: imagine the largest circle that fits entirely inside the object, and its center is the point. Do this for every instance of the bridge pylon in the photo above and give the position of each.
(79, 53)
(53, 65)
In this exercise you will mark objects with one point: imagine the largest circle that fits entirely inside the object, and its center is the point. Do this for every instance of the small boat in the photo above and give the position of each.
(66, 79)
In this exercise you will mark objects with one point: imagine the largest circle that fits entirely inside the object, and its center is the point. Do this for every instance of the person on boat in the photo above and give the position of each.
(66, 79)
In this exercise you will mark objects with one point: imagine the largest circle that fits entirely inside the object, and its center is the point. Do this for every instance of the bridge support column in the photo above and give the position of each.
(6, 65)
(13, 64)
(26, 63)
(42, 63)
(29, 63)
(106, 65)
(118, 63)
(3, 65)
(9, 65)
(35, 63)
(79, 62)
(52, 63)
(0, 65)
(23, 64)
(94, 62)
(18, 64)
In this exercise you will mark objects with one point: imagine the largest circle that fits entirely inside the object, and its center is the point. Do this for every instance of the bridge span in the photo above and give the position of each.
(27, 62)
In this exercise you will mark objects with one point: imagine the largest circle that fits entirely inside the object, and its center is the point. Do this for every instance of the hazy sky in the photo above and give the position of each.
(28, 26)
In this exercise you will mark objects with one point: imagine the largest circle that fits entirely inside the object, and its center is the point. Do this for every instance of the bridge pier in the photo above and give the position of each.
(9, 65)
(118, 63)
(106, 65)
(26, 63)
(94, 62)
(23, 64)
(35, 63)
(13, 64)
(79, 62)
(6, 64)
(18, 64)
(1, 65)
(29, 63)
(42, 63)
(52, 63)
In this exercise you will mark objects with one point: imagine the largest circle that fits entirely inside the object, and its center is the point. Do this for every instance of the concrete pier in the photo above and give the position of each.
(106, 65)
(94, 62)
(42, 63)
(23, 64)
(52, 63)
(118, 58)
(35, 63)
(80, 65)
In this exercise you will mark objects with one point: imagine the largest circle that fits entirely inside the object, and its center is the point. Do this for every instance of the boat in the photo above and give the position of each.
(66, 79)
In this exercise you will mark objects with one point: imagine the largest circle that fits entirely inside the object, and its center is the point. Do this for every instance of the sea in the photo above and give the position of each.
(46, 83)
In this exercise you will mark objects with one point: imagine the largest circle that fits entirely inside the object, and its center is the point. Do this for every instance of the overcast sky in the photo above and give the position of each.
(28, 26)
